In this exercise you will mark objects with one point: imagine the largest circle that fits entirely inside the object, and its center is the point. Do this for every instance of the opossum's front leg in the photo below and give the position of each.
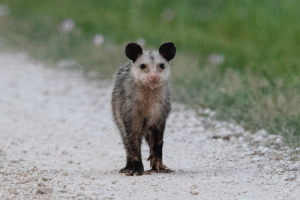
(129, 165)
(134, 150)
(155, 141)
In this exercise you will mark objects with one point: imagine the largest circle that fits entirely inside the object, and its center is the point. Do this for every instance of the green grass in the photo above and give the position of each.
(257, 85)
(247, 99)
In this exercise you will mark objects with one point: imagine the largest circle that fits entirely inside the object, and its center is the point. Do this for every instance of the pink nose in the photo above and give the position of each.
(154, 77)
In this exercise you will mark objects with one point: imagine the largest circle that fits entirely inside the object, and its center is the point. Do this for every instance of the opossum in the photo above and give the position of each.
(141, 103)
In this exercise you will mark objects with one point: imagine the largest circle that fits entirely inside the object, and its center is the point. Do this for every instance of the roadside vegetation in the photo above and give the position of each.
(240, 58)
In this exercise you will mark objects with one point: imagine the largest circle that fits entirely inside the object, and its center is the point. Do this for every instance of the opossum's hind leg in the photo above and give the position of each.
(156, 163)
(149, 140)
(155, 141)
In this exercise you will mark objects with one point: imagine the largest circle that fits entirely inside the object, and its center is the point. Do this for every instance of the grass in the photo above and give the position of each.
(257, 85)
(245, 98)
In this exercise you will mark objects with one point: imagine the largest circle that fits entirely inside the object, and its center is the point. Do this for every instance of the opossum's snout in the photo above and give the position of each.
(155, 78)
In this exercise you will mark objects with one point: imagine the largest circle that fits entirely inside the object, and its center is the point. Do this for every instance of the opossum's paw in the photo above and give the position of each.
(138, 172)
(138, 169)
(150, 171)
(156, 163)
(125, 170)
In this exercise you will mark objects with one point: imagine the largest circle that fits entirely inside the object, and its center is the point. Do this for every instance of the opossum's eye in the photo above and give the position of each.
(143, 66)
(162, 66)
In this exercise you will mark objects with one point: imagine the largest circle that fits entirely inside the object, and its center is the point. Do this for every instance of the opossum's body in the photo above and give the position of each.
(141, 103)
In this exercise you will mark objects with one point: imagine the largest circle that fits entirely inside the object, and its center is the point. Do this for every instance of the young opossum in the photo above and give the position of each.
(141, 103)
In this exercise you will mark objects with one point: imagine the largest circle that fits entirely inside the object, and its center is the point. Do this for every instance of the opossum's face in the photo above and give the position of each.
(151, 68)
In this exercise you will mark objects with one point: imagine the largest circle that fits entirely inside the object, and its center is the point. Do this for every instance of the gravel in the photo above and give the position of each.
(58, 141)
(44, 191)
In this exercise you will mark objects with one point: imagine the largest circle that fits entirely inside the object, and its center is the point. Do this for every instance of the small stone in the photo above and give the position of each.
(23, 182)
(220, 140)
(293, 167)
(215, 59)
(271, 137)
(70, 162)
(245, 145)
(262, 133)
(256, 158)
(264, 150)
(194, 193)
(44, 179)
(206, 111)
(279, 170)
(227, 137)
(63, 191)
(258, 139)
(64, 152)
(14, 161)
(194, 187)
(291, 178)
(278, 141)
(114, 182)
(233, 139)
(297, 165)
(82, 188)
(79, 194)
(86, 176)
(44, 191)
(41, 185)
(34, 178)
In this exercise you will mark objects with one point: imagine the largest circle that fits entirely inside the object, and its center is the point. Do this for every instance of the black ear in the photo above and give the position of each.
(167, 50)
(133, 51)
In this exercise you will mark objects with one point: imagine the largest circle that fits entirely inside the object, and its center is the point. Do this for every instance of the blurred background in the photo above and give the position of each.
(238, 57)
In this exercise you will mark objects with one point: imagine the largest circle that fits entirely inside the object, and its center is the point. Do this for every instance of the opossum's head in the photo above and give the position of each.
(151, 68)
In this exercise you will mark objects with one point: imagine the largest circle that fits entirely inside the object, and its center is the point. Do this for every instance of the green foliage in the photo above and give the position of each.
(249, 100)
(256, 32)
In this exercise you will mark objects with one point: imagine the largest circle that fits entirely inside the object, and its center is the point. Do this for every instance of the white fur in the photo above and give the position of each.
(140, 76)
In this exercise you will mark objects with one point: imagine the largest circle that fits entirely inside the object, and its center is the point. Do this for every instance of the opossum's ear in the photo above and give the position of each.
(167, 50)
(133, 51)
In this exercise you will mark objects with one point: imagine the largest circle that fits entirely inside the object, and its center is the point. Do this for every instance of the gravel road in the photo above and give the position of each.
(58, 141)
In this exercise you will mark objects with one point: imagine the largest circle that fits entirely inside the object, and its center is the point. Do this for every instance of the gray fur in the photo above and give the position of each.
(141, 111)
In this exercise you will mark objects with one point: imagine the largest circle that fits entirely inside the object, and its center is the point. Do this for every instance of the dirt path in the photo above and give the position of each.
(57, 137)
